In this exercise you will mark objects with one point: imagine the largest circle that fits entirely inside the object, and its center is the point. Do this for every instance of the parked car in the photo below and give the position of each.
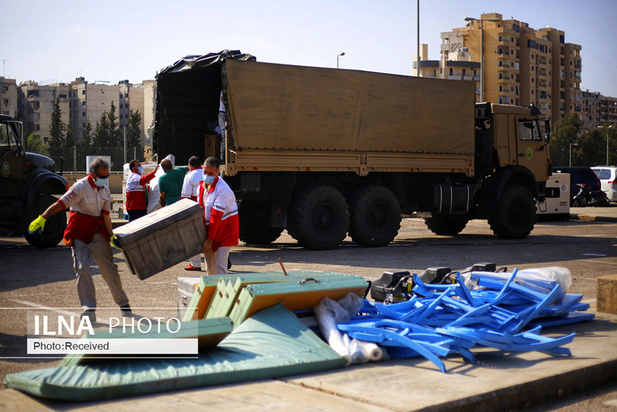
(608, 180)
(584, 187)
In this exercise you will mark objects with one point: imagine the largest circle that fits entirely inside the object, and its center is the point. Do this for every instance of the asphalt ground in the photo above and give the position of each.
(586, 245)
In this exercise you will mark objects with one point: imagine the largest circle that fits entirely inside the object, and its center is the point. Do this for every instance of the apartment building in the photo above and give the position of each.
(36, 106)
(521, 65)
(608, 110)
(8, 97)
(138, 98)
(590, 110)
(88, 103)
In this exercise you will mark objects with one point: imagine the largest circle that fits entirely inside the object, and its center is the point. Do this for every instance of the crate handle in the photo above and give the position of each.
(303, 281)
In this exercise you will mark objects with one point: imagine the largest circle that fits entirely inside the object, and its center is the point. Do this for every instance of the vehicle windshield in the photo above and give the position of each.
(8, 138)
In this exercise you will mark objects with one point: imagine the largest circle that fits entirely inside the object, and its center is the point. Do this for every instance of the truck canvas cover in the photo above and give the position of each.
(307, 108)
(296, 108)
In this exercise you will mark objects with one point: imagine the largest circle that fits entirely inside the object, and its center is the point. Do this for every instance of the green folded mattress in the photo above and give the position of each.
(272, 343)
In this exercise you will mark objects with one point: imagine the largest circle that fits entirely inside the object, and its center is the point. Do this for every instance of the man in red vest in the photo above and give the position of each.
(89, 232)
(220, 217)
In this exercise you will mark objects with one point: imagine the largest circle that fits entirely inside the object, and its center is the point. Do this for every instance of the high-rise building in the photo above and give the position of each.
(521, 65)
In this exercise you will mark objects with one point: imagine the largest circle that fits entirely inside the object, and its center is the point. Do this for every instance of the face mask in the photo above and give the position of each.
(100, 182)
(140, 170)
(208, 179)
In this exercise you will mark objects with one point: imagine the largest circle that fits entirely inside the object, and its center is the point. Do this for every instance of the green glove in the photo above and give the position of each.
(37, 224)
(114, 242)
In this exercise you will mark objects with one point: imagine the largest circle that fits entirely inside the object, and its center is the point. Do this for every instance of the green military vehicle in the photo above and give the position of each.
(328, 152)
(28, 183)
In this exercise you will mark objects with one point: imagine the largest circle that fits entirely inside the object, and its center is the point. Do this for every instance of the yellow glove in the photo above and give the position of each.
(37, 224)
(114, 242)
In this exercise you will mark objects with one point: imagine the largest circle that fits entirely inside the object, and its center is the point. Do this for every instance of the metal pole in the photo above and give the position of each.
(125, 160)
(481, 60)
(418, 42)
(607, 135)
(75, 163)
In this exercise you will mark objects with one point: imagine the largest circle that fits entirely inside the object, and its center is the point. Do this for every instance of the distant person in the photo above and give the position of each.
(190, 190)
(220, 216)
(89, 232)
(170, 184)
(222, 122)
(136, 201)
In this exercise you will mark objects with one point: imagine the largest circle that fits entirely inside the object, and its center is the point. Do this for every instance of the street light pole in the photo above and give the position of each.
(570, 161)
(607, 136)
(418, 42)
(337, 57)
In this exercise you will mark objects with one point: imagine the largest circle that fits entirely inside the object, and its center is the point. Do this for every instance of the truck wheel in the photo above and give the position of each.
(319, 218)
(375, 216)
(515, 215)
(445, 225)
(255, 223)
(54, 227)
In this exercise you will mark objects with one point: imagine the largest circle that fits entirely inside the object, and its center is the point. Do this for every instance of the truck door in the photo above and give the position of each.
(532, 149)
(12, 158)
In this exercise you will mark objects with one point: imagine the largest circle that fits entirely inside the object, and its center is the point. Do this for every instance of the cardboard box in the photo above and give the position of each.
(163, 238)
(212, 145)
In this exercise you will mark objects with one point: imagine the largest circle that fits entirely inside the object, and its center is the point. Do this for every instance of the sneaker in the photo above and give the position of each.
(191, 267)
(89, 313)
(126, 311)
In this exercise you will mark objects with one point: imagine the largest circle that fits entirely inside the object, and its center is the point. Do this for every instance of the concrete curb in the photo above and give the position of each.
(591, 218)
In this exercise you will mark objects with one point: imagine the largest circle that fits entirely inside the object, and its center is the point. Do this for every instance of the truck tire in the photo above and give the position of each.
(54, 227)
(445, 225)
(515, 215)
(484, 154)
(255, 223)
(319, 218)
(375, 216)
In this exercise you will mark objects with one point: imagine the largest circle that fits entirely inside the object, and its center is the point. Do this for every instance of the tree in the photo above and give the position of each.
(566, 132)
(56, 132)
(591, 150)
(134, 144)
(35, 144)
(85, 144)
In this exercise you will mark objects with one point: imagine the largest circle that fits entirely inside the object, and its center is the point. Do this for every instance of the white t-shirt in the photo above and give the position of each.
(190, 186)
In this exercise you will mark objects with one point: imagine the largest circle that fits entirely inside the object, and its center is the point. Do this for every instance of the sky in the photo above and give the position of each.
(60, 40)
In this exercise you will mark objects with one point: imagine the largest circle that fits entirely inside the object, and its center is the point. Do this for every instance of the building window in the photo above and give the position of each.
(500, 76)
(450, 71)
(500, 89)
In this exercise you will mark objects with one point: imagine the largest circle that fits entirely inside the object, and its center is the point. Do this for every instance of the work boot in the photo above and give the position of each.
(126, 311)
(89, 313)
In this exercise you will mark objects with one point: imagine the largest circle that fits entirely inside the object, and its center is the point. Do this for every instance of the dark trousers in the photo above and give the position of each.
(136, 214)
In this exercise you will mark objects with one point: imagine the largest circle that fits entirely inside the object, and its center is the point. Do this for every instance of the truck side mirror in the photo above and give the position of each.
(547, 130)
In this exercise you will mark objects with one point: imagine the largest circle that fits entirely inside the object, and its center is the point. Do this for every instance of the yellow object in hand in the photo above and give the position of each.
(37, 224)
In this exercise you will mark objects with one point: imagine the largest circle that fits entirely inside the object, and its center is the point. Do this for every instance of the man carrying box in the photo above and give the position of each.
(88, 232)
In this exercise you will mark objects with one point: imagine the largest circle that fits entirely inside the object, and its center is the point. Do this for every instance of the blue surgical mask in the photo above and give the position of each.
(208, 179)
(100, 182)
(140, 170)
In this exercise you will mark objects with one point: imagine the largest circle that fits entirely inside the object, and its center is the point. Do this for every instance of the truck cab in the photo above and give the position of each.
(28, 183)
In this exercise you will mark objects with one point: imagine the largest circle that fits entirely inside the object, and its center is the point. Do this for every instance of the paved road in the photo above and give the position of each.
(44, 277)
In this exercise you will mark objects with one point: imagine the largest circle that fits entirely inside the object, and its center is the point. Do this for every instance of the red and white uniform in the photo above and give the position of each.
(190, 186)
(136, 191)
(220, 214)
(87, 203)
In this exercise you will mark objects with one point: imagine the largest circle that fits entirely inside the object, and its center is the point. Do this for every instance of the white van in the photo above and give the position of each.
(608, 180)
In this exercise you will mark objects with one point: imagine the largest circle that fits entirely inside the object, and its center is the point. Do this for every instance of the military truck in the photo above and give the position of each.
(28, 183)
(330, 152)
